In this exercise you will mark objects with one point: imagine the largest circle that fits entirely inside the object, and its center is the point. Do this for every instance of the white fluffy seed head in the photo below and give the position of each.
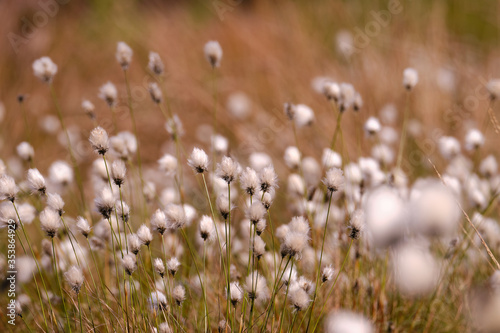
(74, 277)
(155, 64)
(255, 212)
(293, 244)
(327, 273)
(168, 164)
(488, 166)
(227, 169)
(474, 139)
(129, 263)
(83, 226)
(357, 224)
(89, 108)
(134, 243)
(249, 181)
(235, 293)
(36, 182)
(256, 287)
(118, 172)
(157, 301)
(410, 78)
(145, 235)
(124, 54)
(298, 297)
(213, 53)
(55, 202)
(331, 90)
(223, 205)
(331, 159)
(164, 328)
(198, 160)
(50, 222)
(347, 322)
(99, 140)
(155, 92)
(44, 69)
(159, 222)
(449, 147)
(207, 228)
(159, 266)
(25, 151)
(179, 294)
(493, 87)
(334, 180)
(173, 265)
(220, 144)
(259, 247)
(358, 102)
(176, 216)
(105, 202)
(292, 157)
(347, 96)
(372, 126)
(268, 179)
(109, 94)
(122, 210)
(303, 115)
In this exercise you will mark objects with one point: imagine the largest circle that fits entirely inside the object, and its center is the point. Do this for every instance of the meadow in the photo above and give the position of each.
(249, 166)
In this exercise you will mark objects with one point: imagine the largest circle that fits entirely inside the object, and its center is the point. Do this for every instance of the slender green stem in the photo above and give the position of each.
(56, 270)
(286, 296)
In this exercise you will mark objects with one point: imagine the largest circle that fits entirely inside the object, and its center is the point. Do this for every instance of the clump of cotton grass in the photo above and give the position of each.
(198, 160)
(36, 182)
(44, 69)
(74, 277)
(415, 270)
(124, 55)
(50, 222)
(213, 53)
(25, 151)
(410, 78)
(109, 94)
(347, 322)
(99, 140)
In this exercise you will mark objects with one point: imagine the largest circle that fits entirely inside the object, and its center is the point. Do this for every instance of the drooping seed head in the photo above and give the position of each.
(134, 243)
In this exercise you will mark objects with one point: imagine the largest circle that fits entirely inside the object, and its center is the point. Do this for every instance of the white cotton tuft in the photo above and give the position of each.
(213, 53)
(410, 78)
(44, 69)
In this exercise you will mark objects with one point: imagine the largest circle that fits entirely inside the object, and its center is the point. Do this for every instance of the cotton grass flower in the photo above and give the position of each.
(239, 105)
(124, 55)
(474, 139)
(227, 169)
(50, 222)
(235, 293)
(410, 78)
(25, 151)
(99, 140)
(155, 92)
(74, 277)
(334, 180)
(118, 171)
(89, 108)
(256, 287)
(213, 53)
(176, 216)
(173, 265)
(298, 297)
(122, 210)
(249, 181)
(303, 115)
(155, 64)
(255, 212)
(168, 164)
(372, 126)
(198, 160)
(292, 157)
(331, 159)
(207, 228)
(159, 222)
(55, 202)
(159, 266)
(134, 244)
(105, 202)
(268, 179)
(357, 224)
(347, 322)
(493, 87)
(331, 90)
(327, 273)
(44, 69)
(83, 226)
(449, 147)
(179, 294)
(145, 235)
(109, 94)
(36, 182)
(129, 263)
(8, 188)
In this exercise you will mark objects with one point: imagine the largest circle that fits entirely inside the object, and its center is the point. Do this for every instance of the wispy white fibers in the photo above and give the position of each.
(434, 209)
(385, 215)
(415, 270)
(347, 322)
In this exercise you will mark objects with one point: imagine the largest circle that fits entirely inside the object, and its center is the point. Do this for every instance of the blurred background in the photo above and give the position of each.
(273, 51)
